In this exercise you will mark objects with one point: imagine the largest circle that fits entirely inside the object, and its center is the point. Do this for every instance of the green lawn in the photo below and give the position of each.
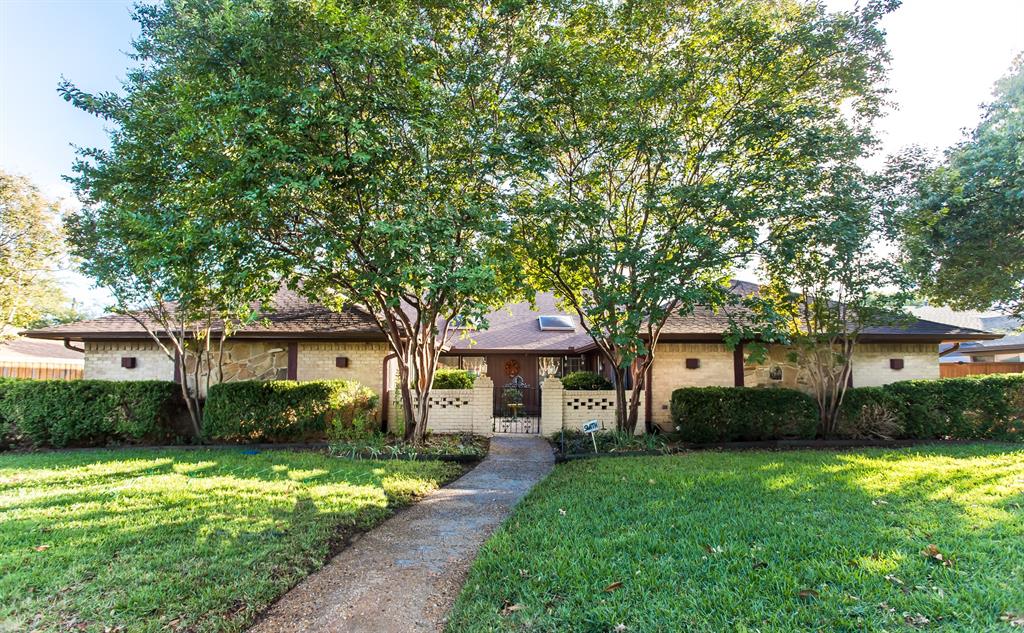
(784, 541)
(189, 540)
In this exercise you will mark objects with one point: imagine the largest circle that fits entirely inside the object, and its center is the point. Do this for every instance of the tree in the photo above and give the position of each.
(961, 221)
(829, 282)
(665, 138)
(31, 249)
(355, 149)
(168, 269)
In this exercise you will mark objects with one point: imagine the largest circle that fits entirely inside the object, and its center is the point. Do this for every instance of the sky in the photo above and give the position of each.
(946, 56)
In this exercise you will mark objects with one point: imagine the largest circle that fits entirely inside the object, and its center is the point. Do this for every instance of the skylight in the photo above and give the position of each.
(556, 323)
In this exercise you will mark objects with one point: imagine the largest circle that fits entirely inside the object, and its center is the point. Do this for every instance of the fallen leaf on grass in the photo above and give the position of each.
(879, 502)
(933, 553)
(561, 511)
(916, 619)
(807, 594)
(716, 549)
(511, 608)
(620, 627)
(1013, 619)
(894, 580)
(41, 548)
(612, 587)
(760, 564)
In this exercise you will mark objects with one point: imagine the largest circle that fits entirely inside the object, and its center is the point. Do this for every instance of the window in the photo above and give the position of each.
(559, 366)
(556, 323)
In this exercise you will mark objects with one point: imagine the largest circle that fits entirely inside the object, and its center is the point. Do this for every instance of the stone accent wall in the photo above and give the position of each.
(244, 360)
(570, 410)
(870, 366)
(669, 373)
(462, 410)
(871, 363)
(103, 361)
(365, 362)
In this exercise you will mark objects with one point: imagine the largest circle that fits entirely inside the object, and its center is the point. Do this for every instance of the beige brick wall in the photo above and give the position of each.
(103, 361)
(580, 407)
(462, 410)
(870, 366)
(871, 363)
(365, 362)
(669, 373)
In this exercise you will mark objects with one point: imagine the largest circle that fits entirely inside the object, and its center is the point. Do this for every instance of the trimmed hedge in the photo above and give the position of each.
(973, 408)
(585, 380)
(453, 379)
(63, 413)
(739, 414)
(284, 410)
(977, 407)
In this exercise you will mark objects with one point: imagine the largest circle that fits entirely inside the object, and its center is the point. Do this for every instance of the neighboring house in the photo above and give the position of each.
(522, 346)
(22, 357)
(1009, 348)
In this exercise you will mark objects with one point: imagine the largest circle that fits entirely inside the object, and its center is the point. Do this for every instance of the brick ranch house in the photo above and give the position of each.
(525, 348)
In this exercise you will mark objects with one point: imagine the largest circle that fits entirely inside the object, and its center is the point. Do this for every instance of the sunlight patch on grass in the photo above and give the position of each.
(188, 540)
(803, 540)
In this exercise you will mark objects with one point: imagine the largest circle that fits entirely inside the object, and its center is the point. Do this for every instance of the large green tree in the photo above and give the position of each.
(961, 219)
(354, 148)
(666, 137)
(31, 251)
(829, 282)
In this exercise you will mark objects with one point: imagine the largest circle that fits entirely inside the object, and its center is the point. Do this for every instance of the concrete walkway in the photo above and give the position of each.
(405, 574)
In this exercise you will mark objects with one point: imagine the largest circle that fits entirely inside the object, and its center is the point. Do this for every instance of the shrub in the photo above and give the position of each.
(453, 379)
(580, 380)
(730, 414)
(89, 412)
(977, 407)
(286, 410)
(870, 413)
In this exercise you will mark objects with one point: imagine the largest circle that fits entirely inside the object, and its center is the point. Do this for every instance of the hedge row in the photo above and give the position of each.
(88, 412)
(286, 410)
(981, 407)
(732, 414)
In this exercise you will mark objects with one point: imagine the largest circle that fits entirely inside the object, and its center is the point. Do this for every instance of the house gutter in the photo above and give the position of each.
(67, 344)
(951, 350)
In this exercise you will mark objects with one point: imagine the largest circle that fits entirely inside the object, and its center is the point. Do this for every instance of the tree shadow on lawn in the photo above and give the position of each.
(158, 541)
(775, 541)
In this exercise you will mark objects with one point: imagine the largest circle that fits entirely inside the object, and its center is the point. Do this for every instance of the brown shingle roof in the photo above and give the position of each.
(512, 328)
(290, 316)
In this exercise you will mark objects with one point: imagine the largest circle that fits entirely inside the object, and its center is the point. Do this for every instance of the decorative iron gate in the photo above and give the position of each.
(517, 408)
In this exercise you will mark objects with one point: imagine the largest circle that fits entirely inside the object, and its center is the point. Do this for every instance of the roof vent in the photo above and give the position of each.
(556, 323)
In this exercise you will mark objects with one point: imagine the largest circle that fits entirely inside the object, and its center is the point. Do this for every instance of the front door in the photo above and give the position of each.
(516, 393)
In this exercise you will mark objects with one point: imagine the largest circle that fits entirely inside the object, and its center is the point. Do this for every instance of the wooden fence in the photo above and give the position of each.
(40, 371)
(958, 370)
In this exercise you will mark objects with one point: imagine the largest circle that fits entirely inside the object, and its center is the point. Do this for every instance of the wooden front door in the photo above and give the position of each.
(518, 370)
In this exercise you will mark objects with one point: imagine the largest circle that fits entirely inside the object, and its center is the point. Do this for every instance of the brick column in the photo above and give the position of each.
(483, 405)
(551, 406)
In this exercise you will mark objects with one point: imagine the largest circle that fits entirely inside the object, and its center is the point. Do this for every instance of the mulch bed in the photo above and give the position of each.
(771, 445)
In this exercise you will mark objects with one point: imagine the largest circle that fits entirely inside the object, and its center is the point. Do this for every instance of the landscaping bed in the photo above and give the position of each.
(180, 540)
(465, 448)
(925, 538)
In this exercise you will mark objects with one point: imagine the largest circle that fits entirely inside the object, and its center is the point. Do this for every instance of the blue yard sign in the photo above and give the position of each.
(591, 428)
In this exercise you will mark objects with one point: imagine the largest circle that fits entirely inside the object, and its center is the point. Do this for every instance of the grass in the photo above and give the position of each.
(763, 541)
(179, 540)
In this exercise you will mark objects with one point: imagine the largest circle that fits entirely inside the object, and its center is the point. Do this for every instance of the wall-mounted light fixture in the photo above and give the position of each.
(128, 362)
(341, 362)
(896, 363)
(693, 363)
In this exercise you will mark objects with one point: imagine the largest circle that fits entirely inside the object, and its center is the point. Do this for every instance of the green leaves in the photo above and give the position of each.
(952, 213)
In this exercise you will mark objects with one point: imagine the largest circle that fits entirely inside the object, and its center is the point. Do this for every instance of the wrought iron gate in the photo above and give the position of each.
(517, 408)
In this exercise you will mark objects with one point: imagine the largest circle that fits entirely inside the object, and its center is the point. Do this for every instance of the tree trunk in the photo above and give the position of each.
(622, 412)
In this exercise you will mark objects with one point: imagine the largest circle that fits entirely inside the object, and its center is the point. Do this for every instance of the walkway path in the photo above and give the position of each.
(404, 575)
